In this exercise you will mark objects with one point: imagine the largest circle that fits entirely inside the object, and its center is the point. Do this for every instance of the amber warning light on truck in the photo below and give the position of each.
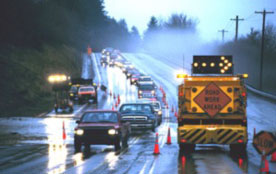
(212, 65)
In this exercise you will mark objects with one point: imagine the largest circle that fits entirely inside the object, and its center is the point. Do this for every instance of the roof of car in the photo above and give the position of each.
(100, 110)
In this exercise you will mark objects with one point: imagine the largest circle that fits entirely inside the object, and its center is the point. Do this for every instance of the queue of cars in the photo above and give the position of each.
(114, 127)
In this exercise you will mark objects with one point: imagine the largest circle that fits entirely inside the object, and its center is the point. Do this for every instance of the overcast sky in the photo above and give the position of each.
(212, 15)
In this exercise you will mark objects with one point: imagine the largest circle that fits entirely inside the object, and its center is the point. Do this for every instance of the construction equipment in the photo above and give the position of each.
(212, 105)
(61, 87)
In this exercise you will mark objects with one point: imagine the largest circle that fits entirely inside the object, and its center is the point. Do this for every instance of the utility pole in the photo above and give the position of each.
(237, 19)
(223, 31)
(264, 13)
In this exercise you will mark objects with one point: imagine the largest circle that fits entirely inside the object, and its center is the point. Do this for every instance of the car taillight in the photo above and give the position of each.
(244, 94)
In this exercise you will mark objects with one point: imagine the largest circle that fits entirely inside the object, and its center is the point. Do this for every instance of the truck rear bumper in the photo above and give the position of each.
(212, 134)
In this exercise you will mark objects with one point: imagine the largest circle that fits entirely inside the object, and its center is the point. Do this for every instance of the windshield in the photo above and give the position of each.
(136, 108)
(145, 79)
(74, 89)
(86, 89)
(156, 105)
(100, 117)
(146, 87)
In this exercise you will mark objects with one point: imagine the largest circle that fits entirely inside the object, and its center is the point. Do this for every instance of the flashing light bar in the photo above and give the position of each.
(57, 78)
(212, 65)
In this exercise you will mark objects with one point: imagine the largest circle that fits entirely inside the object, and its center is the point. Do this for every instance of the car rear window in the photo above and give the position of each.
(136, 108)
(100, 117)
(86, 89)
(146, 87)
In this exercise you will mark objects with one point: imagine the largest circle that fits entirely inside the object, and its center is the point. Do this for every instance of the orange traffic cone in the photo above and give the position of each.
(172, 109)
(116, 104)
(240, 162)
(273, 157)
(175, 114)
(112, 107)
(264, 165)
(169, 140)
(119, 100)
(63, 131)
(156, 146)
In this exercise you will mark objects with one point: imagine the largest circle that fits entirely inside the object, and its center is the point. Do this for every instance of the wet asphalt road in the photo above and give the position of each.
(35, 145)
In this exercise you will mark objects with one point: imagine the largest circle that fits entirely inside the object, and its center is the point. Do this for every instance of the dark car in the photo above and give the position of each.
(130, 72)
(134, 78)
(101, 127)
(73, 92)
(141, 116)
(146, 90)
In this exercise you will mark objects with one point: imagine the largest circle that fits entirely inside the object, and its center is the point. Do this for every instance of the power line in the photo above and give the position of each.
(264, 13)
(222, 32)
(237, 19)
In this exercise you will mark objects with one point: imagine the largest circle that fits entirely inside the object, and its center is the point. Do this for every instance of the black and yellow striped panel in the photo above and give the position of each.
(195, 136)
(228, 136)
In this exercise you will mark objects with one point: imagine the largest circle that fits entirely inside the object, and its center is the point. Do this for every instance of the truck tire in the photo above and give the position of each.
(56, 110)
(77, 145)
(187, 148)
(71, 109)
(237, 148)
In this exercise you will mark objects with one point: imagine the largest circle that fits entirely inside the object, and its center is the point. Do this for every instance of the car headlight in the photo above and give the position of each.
(140, 92)
(159, 112)
(128, 74)
(112, 132)
(153, 92)
(79, 132)
(132, 80)
(71, 94)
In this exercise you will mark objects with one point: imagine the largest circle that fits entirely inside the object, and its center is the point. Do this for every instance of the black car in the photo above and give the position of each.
(101, 127)
(73, 92)
(141, 116)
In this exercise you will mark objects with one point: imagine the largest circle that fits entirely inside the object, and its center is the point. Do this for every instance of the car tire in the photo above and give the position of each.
(117, 145)
(77, 145)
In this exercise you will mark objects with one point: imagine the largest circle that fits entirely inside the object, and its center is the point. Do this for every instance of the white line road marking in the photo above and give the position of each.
(152, 167)
(144, 167)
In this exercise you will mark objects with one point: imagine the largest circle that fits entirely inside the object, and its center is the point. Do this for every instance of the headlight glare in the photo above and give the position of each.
(79, 132)
(112, 132)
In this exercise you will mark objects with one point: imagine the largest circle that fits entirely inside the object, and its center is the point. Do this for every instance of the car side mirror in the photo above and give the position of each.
(78, 121)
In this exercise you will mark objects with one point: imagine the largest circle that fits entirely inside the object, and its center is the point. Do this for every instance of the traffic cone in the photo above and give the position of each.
(264, 165)
(119, 100)
(240, 162)
(169, 141)
(63, 131)
(172, 109)
(112, 107)
(116, 104)
(175, 114)
(273, 157)
(156, 146)
(183, 162)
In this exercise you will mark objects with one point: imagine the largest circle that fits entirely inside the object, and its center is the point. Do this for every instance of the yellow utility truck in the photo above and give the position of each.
(212, 105)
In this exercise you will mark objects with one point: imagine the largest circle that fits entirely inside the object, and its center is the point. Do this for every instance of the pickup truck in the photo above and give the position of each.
(141, 116)
(86, 93)
(101, 127)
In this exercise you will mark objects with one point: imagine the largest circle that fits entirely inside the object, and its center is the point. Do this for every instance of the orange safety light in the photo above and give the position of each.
(182, 76)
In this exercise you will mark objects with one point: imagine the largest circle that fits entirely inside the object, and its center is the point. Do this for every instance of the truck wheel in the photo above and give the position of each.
(77, 145)
(117, 145)
(238, 148)
(187, 147)
(71, 109)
